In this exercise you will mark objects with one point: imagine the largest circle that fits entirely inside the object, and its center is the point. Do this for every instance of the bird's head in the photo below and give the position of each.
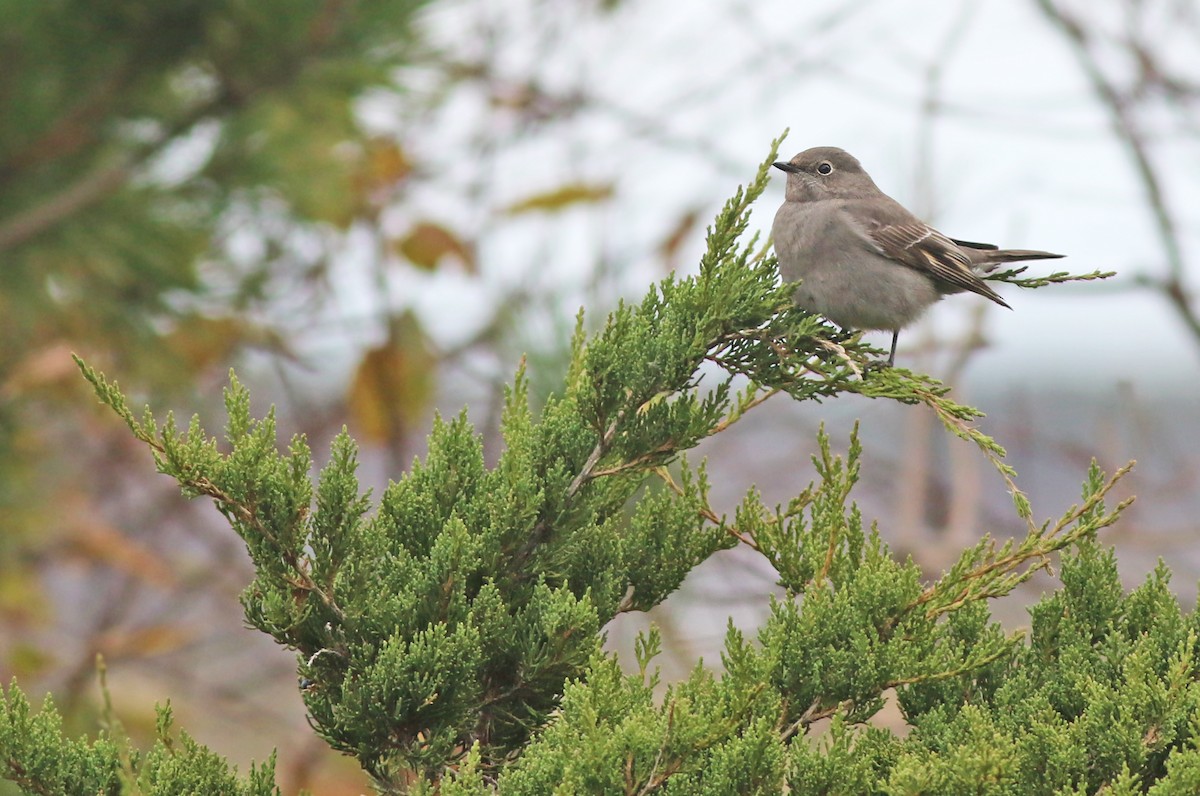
(825, 172)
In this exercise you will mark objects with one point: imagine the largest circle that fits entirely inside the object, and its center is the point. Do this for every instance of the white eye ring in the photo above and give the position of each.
(825, 168)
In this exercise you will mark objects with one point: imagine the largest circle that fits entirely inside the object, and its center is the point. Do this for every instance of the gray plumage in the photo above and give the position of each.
(864, 261)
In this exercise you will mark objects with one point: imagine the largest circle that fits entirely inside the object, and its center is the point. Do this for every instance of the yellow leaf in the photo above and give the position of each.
(427, 243)
(22, 597)
(386, 162)
(393, 385)
(562, 197)
(27, 661)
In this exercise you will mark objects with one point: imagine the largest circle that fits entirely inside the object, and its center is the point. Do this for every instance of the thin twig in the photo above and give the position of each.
(964, 430)
(602, 446)
(813, 714)
(969, 666)
(707, 513)
(841, 353)
(1174, 288)
(653, 781)
(729, 420)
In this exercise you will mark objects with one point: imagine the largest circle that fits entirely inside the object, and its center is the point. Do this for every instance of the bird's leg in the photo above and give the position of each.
(892, 356)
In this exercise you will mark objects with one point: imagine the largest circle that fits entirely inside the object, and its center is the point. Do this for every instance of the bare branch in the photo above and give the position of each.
(82, 194)
(1121, 107)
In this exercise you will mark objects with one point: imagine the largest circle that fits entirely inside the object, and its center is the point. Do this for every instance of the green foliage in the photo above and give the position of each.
(857, 624)
(707, 736)
(448, 635)
(1104, 693)
(35, 755)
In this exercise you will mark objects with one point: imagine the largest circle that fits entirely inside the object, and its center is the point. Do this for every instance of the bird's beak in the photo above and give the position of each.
(788, 167)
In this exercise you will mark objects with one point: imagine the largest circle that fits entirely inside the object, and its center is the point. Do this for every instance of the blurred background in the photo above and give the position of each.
(372, 210)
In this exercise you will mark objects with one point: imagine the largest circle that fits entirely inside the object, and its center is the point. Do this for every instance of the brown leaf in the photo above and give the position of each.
(139, 642)
(393, 385)
(100, 543)
(669, 248)
(202, 341)
(427, 243)
(562, 197)
(50, 364)
(383, 166)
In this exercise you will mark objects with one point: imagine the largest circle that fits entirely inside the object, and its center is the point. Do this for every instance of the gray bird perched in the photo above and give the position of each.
(863, 261)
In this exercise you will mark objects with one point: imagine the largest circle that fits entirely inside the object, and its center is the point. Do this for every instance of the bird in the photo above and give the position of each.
(862, 259)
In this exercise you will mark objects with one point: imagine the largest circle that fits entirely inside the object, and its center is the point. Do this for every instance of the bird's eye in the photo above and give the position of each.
(825, 168)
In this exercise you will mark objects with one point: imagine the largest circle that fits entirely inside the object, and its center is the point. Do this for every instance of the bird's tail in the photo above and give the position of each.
(986, 258)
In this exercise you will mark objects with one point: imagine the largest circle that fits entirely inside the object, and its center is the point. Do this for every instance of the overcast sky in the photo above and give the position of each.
(687, 97)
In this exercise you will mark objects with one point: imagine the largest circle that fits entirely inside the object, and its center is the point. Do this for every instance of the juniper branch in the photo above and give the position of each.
(1013, 277)
(983, 572)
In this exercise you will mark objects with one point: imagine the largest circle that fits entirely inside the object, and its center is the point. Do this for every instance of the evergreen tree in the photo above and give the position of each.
(448, 635)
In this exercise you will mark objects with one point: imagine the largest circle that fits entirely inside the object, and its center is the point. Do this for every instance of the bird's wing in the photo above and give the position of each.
(900, 236)
(966, 244)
